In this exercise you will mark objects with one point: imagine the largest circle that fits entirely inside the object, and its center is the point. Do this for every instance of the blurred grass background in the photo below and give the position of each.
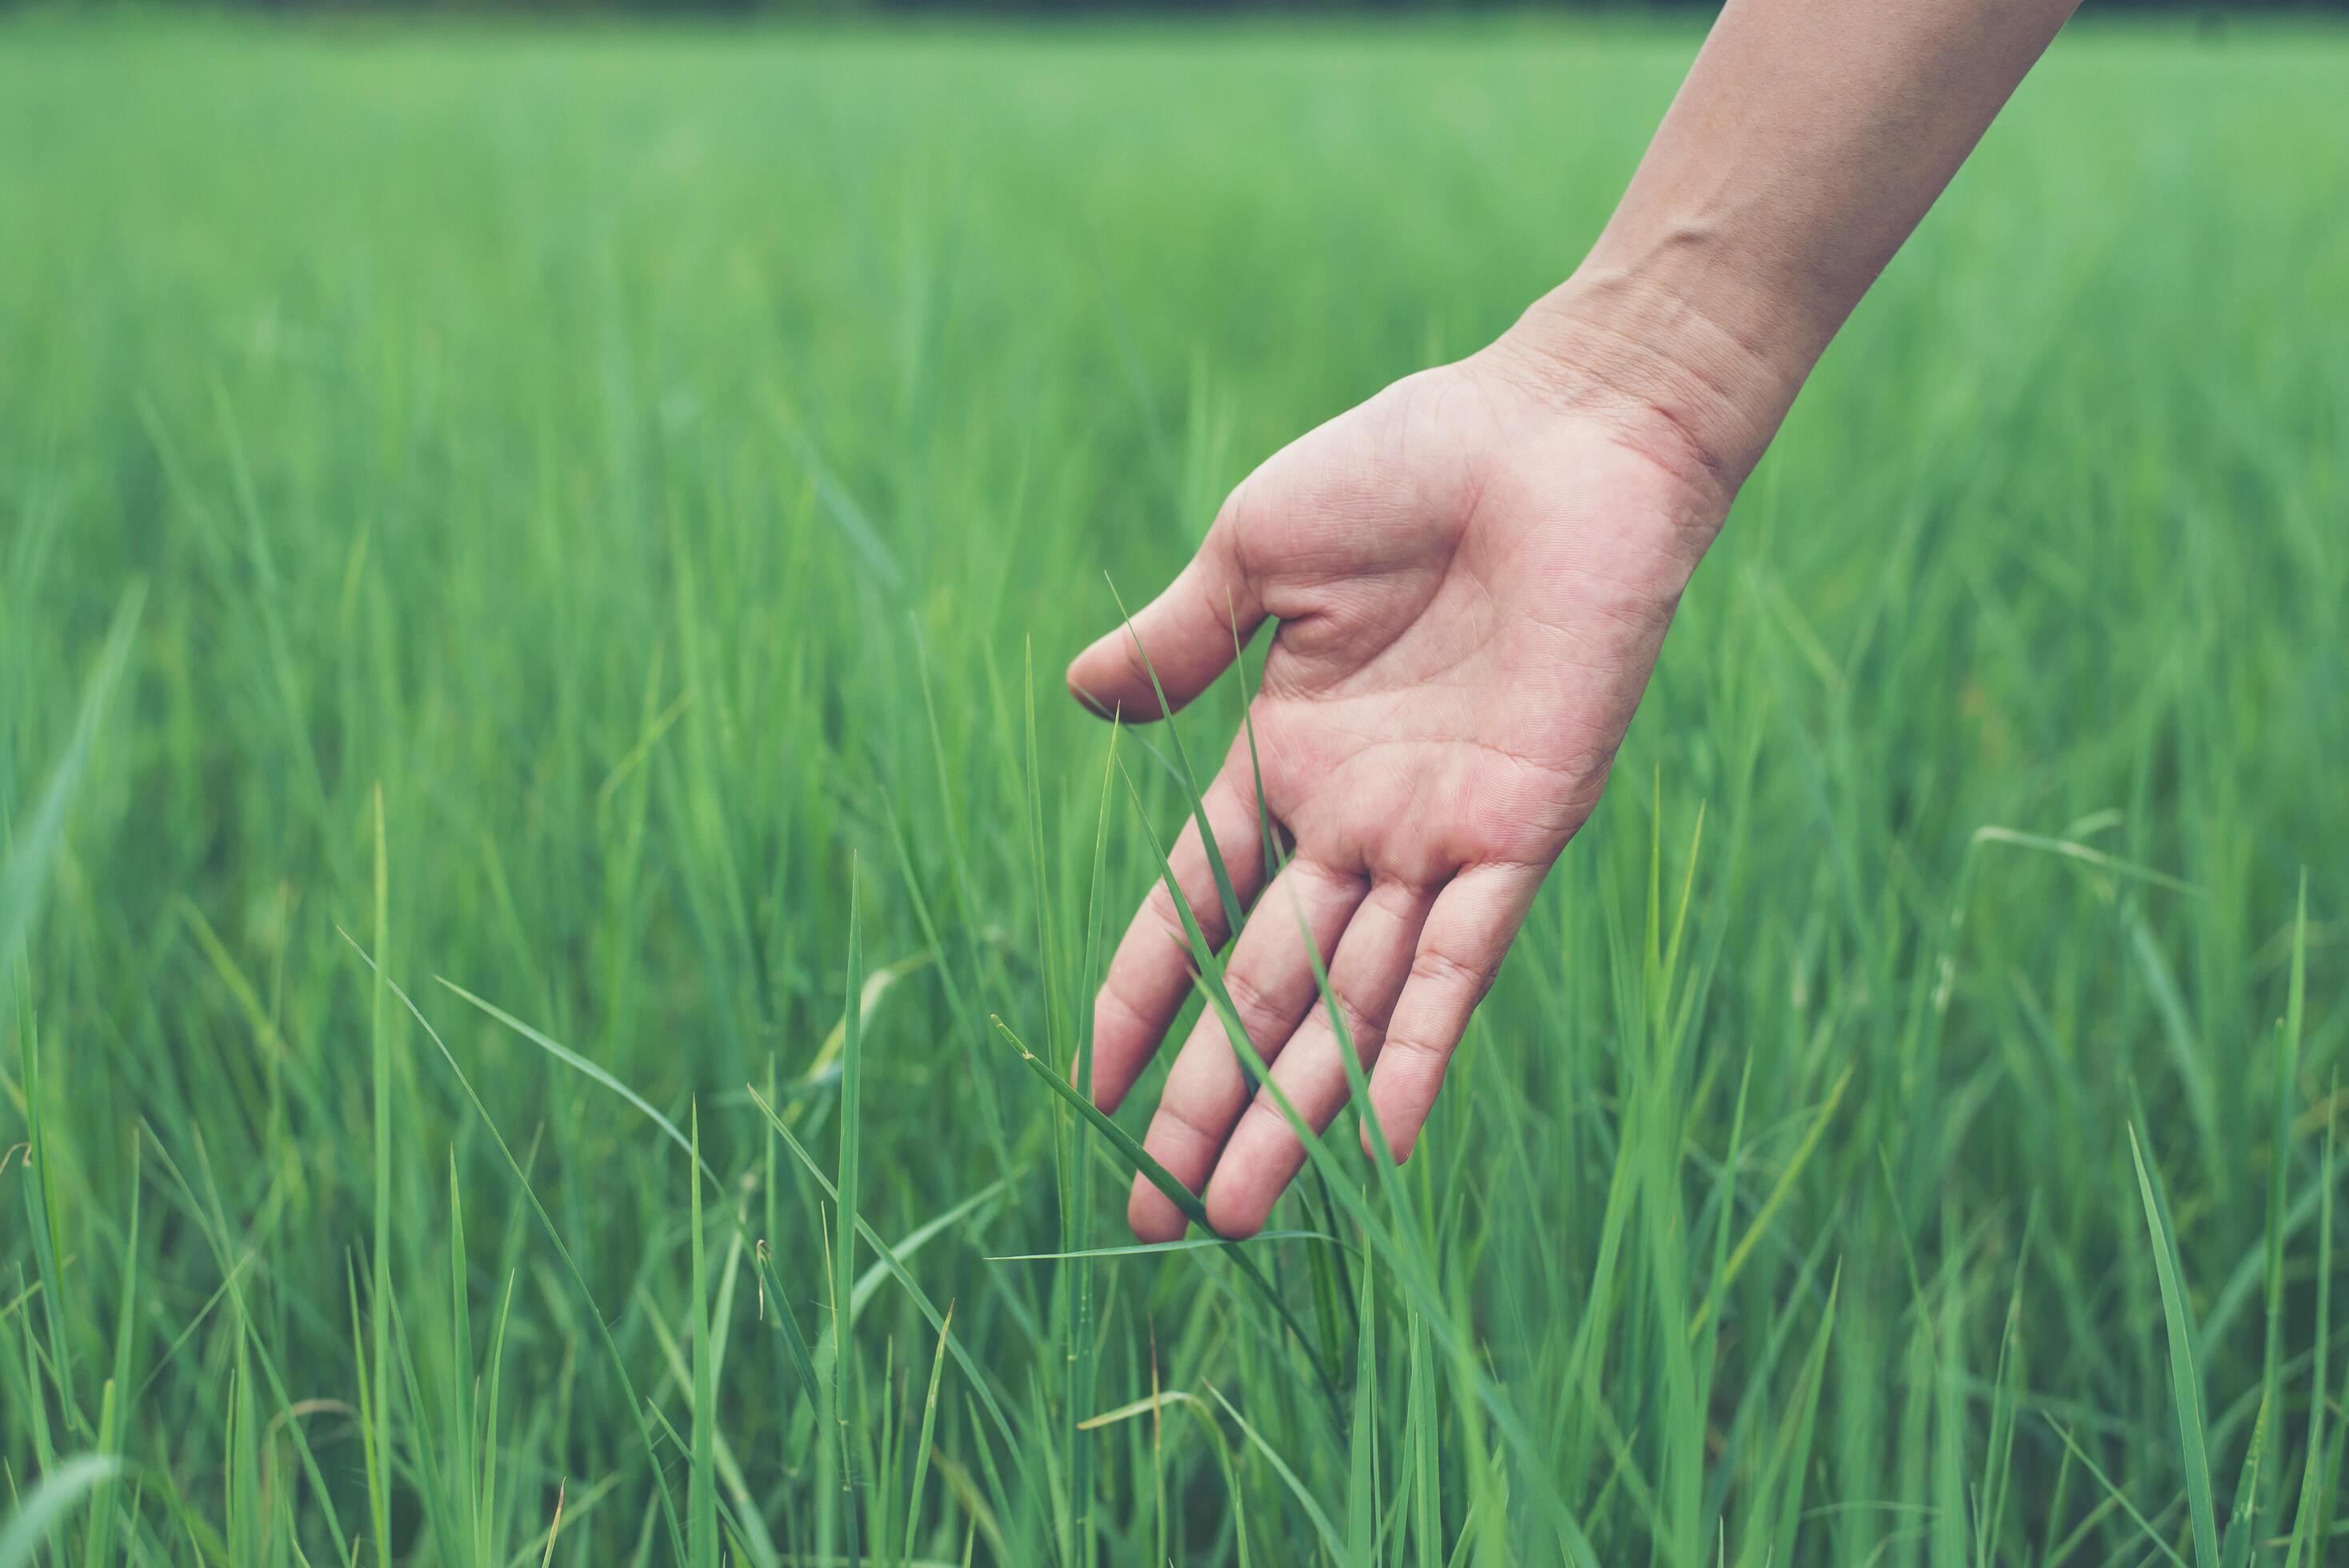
(663, 464)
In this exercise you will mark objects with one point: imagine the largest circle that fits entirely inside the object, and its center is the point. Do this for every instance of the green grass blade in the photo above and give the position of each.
(2185, 1375)
(60, 1490)
(1362, 1439)
(2120, 1499)
(1770, 1205)
(1330, 1541)
(930, 1430)
(1139, 1160)
(915, 1240)
(1413, 1271)
(701, 1493)
(979, 1381)
(581, 1065)
(1188, 1245)
(847, 1197)
(796, 1349)
(34, 846)
(380, 1259)
(637, 1408)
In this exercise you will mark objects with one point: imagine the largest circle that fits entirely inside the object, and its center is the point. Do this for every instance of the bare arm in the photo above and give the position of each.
(1473, 573)
(1810, 137)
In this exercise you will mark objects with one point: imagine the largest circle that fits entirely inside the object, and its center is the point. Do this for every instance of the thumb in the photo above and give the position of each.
(1187, 634)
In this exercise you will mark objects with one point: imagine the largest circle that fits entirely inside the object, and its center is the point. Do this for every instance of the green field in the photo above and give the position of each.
(597, 516)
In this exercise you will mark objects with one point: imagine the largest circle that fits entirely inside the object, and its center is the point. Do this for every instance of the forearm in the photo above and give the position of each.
(1809, 138)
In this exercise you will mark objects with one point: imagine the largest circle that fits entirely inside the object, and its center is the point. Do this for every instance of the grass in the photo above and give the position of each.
(596, 515)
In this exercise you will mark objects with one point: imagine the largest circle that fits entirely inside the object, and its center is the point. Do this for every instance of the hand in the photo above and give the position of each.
(1472, 575)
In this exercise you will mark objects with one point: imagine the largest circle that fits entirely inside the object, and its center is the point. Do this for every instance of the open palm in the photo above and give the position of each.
(1471, 576)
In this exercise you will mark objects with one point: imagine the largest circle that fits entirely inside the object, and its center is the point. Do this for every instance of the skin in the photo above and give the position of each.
(1472, 575)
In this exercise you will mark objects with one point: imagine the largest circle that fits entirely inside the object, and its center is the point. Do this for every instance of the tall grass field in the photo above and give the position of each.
(535, 564)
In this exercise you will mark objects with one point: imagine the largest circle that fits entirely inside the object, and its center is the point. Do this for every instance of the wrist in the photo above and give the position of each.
(1695, 377)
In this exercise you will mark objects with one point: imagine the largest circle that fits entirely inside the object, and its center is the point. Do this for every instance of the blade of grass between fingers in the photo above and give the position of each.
(1413, 1274)
(1329, 1271)
(1255, 761)
(1358, 1083)
(1208, 978)
(1182, 1197)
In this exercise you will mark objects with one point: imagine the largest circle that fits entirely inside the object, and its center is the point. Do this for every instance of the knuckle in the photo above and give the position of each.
(1176, 1115)
(1117, 993)
(1437, 967)
(1234, 520)
(1408, 1045)
(1332, 879)
(1262, 1118)
(1360, 1027)
(1249, 999)
(1112, 1005)
(1160, 906)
